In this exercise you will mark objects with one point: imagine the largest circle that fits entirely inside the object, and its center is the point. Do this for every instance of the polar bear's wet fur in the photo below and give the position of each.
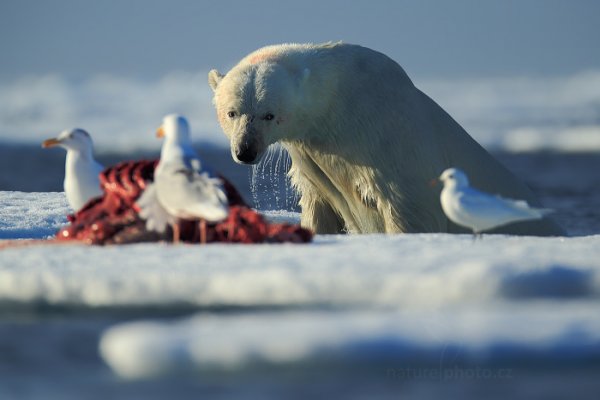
(363, 140)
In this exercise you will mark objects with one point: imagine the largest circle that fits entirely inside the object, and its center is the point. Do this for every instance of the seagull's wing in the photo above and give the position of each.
(523, 205)
(496, 208)
(210, 199)
(195, 164)
(477, 202)
(189, 194)
(152, 211)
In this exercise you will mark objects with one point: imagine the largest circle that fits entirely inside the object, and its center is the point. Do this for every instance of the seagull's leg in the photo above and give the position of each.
(176, 232)
(202, 231)
(231, 229)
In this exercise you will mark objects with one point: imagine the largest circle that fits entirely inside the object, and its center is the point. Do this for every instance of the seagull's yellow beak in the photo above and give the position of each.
(434, 182)
(160, 132)
(50, 143)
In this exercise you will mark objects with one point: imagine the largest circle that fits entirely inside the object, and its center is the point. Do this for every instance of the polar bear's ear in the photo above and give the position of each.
(214, 78)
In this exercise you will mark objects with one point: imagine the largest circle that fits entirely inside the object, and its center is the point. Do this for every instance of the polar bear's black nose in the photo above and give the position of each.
(246, 153)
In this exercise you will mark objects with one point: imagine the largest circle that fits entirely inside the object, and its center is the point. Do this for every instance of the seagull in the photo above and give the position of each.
(479, 211)
(81, 170)
(182, 188)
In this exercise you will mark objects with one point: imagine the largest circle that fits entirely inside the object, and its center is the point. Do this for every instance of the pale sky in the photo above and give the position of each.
(147, 39)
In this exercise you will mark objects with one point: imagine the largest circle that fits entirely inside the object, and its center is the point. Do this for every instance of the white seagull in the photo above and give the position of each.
(182, 188)
(82, 182)
(479, 211)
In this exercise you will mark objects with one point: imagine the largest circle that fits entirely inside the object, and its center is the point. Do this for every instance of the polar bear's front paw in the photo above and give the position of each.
(322, 219)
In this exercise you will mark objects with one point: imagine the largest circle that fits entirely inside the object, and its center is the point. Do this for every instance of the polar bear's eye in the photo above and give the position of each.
(268, 117)
(231, 114)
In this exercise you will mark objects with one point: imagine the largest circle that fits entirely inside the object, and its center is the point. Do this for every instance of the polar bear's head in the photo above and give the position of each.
(256, 106)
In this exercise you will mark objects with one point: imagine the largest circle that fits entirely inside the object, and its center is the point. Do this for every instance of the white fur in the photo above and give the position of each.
(363, 140)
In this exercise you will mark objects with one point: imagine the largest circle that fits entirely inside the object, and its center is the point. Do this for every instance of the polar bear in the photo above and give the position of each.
(363, 140)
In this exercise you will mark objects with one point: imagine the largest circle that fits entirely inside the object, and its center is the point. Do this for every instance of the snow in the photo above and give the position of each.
(370, 298)
(31, 215)
(424, 271)
(524, 113)
(35, 108)
(144, 349)
(515, 114)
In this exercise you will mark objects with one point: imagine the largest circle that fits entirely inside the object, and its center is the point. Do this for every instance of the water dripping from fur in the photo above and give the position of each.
(270, 186)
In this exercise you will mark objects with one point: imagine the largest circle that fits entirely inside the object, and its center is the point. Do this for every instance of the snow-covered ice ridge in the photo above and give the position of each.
(443, 338)
(400, 271)
(515, 113)
(344, 297)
